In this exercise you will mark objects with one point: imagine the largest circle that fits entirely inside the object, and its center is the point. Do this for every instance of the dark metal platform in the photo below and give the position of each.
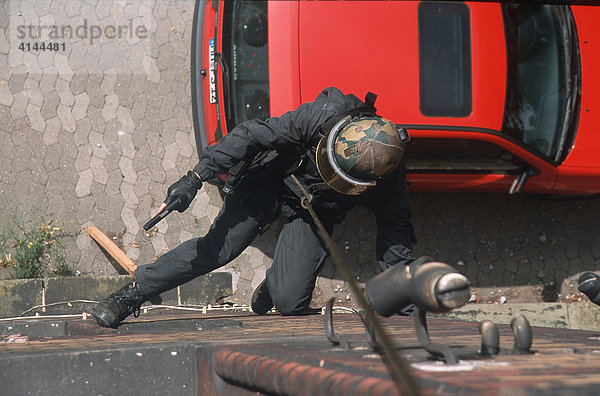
(224, 353)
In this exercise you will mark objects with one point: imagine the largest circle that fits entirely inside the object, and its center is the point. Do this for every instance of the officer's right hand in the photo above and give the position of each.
(185, 190)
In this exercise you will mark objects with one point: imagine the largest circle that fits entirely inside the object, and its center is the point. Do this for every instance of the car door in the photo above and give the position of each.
(461, 160)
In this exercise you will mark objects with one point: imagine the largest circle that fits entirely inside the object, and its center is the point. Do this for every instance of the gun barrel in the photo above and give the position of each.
(162, 214)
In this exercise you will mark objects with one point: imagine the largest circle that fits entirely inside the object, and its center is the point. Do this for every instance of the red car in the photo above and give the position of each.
(492, 93)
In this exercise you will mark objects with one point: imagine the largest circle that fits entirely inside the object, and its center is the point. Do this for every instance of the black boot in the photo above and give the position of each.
(589, 284)
(261, 299)
(118, 306)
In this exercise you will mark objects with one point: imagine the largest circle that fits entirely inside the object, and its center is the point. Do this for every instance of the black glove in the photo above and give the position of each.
(185, 190)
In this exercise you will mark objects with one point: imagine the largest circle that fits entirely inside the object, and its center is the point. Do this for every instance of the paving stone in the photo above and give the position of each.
(122, 90)
(111, 162)
(165, 84)
(158, 242)
(151, 69)
(153, 140)
(130, 221)
(143, 182)
(72, 9)
(109, 111)
(136, 84)
(4, 47)
(6, 97)
(82, 101)
(140, 161)
(183, 142)
(61, 63)
(128, 193)
(113, 183)
(21, 160)
(35, 117)
(124, 116)
(4, 68)
(31, 64)
(108, 82)
(46, 62)
(82, 132)
(109, 57)
(127, 170)
(171, 153)
(115, 206)
(15, 60)
(19, 105)
(82, 161)
(84, 183)
(108, 129)
(166, 108)
(92, 87)
(77, 63)
(100, 150)
(66, 118)
(78, 83)
(97, 167)
(85, 210)
(51, 161)
(50, 105)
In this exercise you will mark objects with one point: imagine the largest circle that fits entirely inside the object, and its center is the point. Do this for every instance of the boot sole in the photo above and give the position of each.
(104, 319)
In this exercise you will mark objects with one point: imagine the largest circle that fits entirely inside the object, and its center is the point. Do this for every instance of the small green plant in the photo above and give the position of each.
(31, 252)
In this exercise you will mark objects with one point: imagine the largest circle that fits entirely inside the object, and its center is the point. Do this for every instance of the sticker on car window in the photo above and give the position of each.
(211, 71)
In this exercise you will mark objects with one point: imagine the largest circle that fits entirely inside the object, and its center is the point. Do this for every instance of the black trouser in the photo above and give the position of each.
(299, 254)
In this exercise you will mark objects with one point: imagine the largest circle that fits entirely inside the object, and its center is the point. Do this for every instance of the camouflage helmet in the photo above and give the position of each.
(359, 151)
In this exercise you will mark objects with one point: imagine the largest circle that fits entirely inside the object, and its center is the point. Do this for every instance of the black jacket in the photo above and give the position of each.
(292, 137)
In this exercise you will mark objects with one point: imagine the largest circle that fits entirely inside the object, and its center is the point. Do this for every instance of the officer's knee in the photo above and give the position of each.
(291, 307)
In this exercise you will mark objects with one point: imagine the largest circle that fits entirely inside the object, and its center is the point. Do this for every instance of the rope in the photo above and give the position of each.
(204, 309)
(396, 365)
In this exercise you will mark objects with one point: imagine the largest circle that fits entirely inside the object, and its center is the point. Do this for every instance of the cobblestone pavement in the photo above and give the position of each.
(93, 133)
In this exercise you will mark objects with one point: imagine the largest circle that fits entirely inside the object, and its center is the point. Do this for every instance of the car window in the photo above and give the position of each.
(542, 75)
(444, 59)
(245, 55)
(458, 155)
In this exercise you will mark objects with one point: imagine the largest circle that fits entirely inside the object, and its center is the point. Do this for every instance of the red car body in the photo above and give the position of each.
(362, 46)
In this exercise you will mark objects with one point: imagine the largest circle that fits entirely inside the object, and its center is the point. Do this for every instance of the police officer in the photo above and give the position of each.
(339, 150)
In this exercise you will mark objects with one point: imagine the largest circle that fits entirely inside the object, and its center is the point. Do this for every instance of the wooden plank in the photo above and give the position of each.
(112, 249)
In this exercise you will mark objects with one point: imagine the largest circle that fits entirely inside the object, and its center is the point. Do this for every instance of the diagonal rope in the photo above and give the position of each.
(396, 365)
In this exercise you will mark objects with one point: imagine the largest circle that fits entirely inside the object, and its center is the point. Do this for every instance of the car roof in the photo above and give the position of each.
(361, 46)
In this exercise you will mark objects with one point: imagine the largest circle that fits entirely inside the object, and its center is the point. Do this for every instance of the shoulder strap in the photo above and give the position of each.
(370, 99)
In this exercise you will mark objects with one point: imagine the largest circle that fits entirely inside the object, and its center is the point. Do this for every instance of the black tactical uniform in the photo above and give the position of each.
(266, 192)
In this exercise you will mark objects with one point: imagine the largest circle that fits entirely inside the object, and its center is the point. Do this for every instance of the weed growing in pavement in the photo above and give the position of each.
(32, 252)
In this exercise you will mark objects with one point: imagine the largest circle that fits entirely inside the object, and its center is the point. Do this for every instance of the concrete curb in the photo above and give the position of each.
(575, 316)
(60, 295)
(64, 295)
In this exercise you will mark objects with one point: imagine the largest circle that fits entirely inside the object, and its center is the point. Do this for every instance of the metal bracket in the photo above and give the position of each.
(328, 323)
(437, 350)
(490, 337)
(335, 340)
